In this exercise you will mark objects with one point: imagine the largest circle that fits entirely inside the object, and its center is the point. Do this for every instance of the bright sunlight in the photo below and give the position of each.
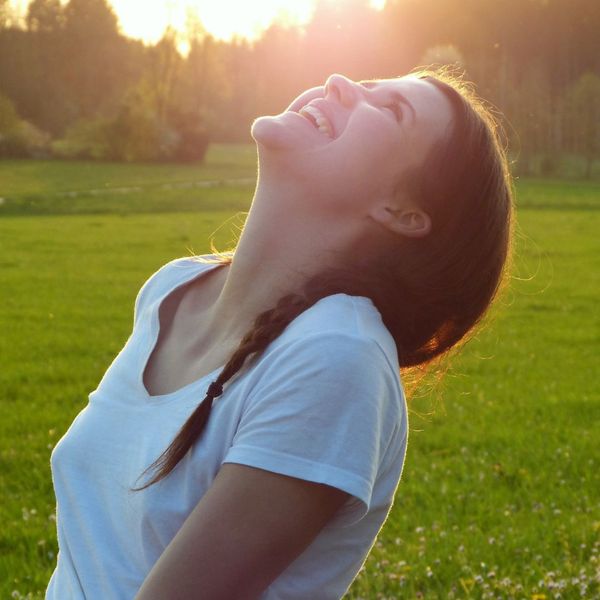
(224, 19)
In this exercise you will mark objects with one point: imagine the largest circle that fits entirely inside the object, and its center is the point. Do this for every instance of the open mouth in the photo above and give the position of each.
(318, 119)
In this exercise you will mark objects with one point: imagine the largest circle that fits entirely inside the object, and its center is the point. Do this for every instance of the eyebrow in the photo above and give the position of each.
(370, 84)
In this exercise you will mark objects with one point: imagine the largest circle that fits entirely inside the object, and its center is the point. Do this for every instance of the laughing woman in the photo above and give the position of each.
(248, 440)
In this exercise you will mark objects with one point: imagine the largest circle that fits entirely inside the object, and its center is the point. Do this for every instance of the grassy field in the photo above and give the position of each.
(499, 497)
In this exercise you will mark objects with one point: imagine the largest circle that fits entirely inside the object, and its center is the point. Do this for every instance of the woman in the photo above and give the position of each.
(377, 238)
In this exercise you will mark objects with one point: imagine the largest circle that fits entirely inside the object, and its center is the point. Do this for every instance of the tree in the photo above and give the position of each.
(4, 12)
(45, 16)
(91, 20)
(94, 56)
(529, 111)
(203, 86)
(584, 104)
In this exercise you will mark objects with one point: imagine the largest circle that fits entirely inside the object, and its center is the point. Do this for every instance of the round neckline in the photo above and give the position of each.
(154, 332)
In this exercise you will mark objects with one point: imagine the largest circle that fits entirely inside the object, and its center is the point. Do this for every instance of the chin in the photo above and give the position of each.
(270, 133)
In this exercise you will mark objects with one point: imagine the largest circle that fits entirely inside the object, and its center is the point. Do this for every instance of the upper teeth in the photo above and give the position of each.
(322, 123)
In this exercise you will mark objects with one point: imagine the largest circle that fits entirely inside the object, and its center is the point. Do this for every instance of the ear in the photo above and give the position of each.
(410, 222)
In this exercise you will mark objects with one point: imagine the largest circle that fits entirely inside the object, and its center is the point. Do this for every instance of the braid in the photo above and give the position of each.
(270, 324)
(429, 296)
(267, 327)
(431, 291)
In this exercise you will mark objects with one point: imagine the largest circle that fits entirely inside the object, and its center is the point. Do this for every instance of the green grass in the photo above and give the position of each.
(52, 187)
(499, 493)
(44, 178)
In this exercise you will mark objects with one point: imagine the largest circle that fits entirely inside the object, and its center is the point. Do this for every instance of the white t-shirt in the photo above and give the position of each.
(323, 403)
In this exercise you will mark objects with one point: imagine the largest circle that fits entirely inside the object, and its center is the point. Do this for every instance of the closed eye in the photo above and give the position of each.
(400, 99)
(395, 108)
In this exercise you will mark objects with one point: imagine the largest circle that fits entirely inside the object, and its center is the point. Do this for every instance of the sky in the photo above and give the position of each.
(147, 19)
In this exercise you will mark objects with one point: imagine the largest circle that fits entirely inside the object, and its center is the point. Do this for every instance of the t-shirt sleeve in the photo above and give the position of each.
(324, 410)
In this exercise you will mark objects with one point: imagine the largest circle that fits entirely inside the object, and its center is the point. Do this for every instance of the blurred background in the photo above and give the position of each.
(124, 143)
(137, 81)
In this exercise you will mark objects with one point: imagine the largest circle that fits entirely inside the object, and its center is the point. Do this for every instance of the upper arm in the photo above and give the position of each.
(248, 527)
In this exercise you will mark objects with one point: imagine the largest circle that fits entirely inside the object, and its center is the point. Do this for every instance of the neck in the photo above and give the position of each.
(284, 242)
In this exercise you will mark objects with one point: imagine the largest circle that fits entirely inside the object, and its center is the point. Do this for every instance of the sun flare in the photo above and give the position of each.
(225, 19)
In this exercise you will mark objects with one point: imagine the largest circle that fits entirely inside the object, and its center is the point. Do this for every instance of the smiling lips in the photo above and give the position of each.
(319, 120)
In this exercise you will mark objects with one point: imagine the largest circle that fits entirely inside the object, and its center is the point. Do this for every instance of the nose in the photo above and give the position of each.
(344, 90)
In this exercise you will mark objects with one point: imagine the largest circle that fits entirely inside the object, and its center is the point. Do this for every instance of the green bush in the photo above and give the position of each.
(85, 139)
(135, 134)
(192, 137)
(19, 138)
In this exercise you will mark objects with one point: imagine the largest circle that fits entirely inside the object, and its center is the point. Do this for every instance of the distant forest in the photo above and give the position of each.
(72, 85)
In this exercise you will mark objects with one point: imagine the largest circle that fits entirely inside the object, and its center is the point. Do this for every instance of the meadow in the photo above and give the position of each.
(499, 495)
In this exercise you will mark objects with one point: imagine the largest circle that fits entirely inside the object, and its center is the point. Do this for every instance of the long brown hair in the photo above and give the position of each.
(434, 290)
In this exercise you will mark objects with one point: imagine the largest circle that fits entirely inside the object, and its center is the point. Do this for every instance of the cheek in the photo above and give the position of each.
(375, 157)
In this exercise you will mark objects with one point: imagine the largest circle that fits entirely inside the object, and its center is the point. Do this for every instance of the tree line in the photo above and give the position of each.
(71, 84)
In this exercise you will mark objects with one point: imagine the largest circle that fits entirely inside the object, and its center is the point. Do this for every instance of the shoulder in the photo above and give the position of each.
(340, 361)
(338, 348)
(343, 327)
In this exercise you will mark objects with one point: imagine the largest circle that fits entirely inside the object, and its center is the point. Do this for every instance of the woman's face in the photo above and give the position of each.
(354, 139)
